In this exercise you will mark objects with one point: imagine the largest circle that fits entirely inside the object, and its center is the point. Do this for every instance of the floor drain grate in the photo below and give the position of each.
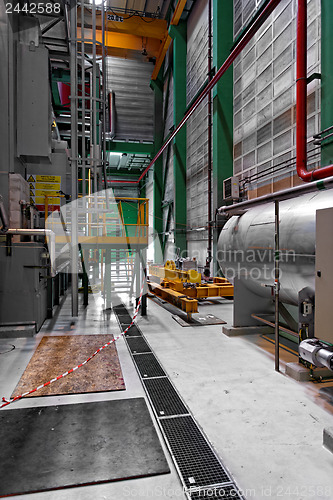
(196, 460)
(200, 469)
(137, 345)
(148, 366)
(164, 397)
(134, 331)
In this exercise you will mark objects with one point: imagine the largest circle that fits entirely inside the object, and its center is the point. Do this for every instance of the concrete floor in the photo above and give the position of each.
(266, 427)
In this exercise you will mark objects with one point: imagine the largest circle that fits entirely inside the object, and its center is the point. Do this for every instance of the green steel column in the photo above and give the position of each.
(222, 106)
(178, 33)
(157, 86)
(326, 78)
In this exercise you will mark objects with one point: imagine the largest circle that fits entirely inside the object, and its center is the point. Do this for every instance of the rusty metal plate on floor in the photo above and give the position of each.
(53, 447)
(58, 354)
(198, 320)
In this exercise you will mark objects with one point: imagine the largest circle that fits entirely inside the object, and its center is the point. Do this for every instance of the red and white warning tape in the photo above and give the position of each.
(7, 402)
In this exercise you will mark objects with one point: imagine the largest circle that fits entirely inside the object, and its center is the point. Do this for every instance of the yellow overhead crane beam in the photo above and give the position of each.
(122, 41)
(130, 25)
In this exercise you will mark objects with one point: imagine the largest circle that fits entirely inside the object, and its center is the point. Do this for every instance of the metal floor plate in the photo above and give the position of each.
(137, 345)
(195, 459)
(148, 366)
(164, 397)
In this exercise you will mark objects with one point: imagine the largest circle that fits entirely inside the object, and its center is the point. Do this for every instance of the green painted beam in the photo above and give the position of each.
(179, 146)
(157, 86)
(326, 78)
(129, 147)
(222, 107)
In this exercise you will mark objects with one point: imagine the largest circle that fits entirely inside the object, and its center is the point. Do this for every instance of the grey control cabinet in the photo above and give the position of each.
(324, 275)
(23, 284)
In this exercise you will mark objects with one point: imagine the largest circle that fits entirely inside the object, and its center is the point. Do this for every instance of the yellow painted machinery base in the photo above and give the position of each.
(180, 289)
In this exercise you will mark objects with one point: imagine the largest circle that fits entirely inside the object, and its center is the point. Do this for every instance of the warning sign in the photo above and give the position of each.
(47, 178)
(45, 189)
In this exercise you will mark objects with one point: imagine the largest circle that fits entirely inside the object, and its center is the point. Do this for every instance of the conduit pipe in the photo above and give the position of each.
(285, 194)
(301, 102)
(39, 232)
(211, 84)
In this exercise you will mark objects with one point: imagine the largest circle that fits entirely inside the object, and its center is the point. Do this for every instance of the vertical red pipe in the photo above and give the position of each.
(301, 101)
(209, 248)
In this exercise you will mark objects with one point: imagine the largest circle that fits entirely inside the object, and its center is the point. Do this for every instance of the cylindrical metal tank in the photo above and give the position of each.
(246, 245)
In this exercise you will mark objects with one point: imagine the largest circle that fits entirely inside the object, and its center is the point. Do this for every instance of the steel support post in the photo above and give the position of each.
(157, 86)
(49, 293)
(178, 33)
(56, 289)
(326, 78)
(277, 284)
(107, 278)
(74, 155)
(222, 107)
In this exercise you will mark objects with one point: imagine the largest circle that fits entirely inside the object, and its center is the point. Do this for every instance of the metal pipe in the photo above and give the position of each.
(94, 107)
(4, 217)
(83, 93)
(279, 195)
(104, 106)
(227, 63)
(40, 232)
(74, 155)
(301, 101)
(277, 285)
(209, 248)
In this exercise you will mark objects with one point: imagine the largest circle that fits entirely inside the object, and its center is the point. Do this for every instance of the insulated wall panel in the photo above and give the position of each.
(134, 100)
(265, 92)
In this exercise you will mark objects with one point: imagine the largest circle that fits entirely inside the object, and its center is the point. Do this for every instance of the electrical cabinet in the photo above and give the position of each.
(23, 284)
(324, 275)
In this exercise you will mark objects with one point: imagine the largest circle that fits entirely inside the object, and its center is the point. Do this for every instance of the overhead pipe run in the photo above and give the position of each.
(301, 102)
(211, 84)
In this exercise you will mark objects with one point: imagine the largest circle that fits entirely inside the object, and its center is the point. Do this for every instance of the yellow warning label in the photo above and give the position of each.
(31, 178)
(32, 193)
(48, 186)
(32, 200)
(40, 200)
(43, 192)
(48, 178)
(32, 186)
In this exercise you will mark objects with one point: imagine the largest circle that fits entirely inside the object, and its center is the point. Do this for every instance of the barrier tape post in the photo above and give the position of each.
(7, 402)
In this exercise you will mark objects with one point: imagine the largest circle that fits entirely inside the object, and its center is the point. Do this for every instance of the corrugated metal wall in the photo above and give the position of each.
(265, 93)
(134, 100)
(197, 134)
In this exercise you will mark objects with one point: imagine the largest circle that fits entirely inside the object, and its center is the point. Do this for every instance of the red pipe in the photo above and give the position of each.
(227, 63)
(301, 102)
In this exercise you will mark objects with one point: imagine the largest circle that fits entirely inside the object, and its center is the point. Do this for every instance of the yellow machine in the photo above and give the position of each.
(184, 288)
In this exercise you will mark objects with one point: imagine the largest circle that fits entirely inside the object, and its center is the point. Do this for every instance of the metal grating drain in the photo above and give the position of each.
(195, 459)
(148, 365)
(137, 345)
(124, 318)
(228, 492)
(134, 331)
(164, 397)
(202, 473)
